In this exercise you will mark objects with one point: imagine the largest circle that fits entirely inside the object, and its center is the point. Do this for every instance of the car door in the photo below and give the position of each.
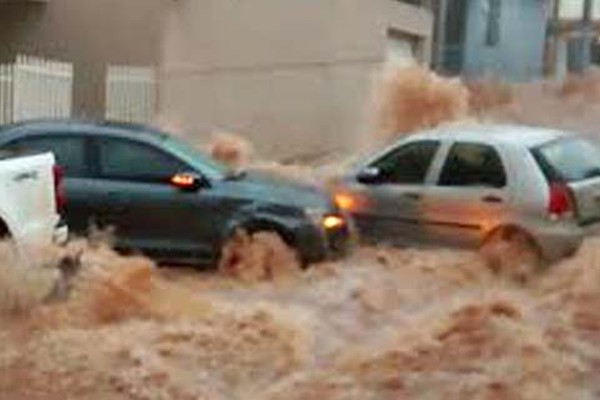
(72, 155)
(470, 195)
(146, 211)
(391, 211)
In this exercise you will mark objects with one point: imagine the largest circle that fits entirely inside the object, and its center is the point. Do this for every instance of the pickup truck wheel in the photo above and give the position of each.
(512, 253)
(261, 255)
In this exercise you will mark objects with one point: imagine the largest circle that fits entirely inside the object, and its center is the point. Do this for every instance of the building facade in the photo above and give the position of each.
(573, 33)
(516, 40)
(492, 38)
(293, 76)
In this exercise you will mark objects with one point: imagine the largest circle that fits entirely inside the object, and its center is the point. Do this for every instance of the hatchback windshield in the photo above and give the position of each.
(569, 160)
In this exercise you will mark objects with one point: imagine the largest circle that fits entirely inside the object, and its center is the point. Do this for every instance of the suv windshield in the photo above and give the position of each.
(569, 160)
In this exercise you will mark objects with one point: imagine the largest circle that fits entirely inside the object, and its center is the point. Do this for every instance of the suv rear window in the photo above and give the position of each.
(568, 160)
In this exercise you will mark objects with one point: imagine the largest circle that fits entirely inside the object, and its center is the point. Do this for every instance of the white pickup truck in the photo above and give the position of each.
(31, 199)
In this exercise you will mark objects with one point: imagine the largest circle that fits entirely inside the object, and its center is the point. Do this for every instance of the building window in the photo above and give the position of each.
(413, 2)
(492, 34)
(570, 9)
(454, 35)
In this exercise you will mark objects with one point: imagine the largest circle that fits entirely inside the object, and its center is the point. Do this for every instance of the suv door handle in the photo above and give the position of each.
(491, 199)
(118, 204)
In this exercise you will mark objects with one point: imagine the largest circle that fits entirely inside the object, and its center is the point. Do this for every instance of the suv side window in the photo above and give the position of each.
(475, 165)
(124, 159)
(69, 151)
(407, 164)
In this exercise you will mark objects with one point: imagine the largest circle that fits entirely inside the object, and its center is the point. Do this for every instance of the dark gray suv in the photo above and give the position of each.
(172, 202)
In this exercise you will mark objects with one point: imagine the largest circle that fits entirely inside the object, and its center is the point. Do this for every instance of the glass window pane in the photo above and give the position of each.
(128, 160)
(569, 160)
(475, 165)
(68, 151)
(408, 164)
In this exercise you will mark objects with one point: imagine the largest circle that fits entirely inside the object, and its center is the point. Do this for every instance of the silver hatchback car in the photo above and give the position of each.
(534, 188)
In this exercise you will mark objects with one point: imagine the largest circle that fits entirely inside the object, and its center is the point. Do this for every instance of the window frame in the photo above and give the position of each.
(446, 157)
(100, 174)
(493, 23)
(399, 147)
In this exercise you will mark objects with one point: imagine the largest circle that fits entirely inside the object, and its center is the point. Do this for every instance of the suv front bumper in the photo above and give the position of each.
(317, 244)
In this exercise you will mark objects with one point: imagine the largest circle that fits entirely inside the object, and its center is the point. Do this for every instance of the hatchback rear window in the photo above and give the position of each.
(569, 160)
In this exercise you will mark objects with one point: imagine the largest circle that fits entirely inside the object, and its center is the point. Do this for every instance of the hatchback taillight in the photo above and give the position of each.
(59, 194)
(560, 200)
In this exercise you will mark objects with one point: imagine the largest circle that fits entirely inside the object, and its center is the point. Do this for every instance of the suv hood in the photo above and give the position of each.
(276, 189)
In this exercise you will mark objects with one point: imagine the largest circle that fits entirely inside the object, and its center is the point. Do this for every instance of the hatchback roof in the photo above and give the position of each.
(520, 135)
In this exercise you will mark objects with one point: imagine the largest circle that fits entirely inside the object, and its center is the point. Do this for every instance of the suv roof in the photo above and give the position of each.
(520, 135)
(57, 124)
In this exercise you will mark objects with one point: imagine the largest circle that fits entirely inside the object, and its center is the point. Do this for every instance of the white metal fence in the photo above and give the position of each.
(130, 93)
(6, 93)
(34, 87)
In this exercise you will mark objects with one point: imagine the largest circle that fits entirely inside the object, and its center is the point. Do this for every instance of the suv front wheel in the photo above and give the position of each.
(261, 255)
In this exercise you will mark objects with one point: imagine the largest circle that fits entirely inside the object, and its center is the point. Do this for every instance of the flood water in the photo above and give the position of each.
(382, 324)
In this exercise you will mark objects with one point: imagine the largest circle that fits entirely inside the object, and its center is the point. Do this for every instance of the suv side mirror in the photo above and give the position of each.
(189, 181)
(370, 175)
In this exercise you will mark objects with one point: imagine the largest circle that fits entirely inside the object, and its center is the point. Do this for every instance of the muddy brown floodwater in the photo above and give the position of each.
(383, 324)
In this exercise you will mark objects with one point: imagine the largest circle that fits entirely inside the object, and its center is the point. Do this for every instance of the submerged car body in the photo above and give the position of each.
(459, 185)
(170, 201)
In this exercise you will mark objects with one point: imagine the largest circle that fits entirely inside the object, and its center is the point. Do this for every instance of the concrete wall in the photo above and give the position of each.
(294, 76)
(89, 33)
(519, 55)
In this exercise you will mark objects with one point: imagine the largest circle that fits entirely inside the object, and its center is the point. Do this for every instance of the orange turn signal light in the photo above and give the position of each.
(183, 180)
(333, 222)
(345, 201)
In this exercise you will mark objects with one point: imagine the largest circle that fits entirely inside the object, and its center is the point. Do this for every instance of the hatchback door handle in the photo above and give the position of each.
(492, 199)
(413, 196)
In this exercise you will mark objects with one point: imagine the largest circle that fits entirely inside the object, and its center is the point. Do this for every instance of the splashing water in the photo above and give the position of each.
(414, 98)
(230, 149)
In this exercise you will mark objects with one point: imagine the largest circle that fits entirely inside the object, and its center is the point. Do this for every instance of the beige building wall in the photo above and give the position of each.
(294, 76)
(88, 33)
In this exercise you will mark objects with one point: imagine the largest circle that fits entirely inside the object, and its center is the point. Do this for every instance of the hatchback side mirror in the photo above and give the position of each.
(370, 175)
(189, 182)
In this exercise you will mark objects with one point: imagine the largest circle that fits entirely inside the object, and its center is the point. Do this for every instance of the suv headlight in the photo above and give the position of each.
(325, 220)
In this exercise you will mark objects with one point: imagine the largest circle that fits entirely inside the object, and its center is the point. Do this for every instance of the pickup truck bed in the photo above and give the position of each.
(28, 201)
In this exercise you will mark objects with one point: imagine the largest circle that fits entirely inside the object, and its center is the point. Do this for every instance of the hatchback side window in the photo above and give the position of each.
(475, 165)
(69, 151)
(128, 160)
(407, 164)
